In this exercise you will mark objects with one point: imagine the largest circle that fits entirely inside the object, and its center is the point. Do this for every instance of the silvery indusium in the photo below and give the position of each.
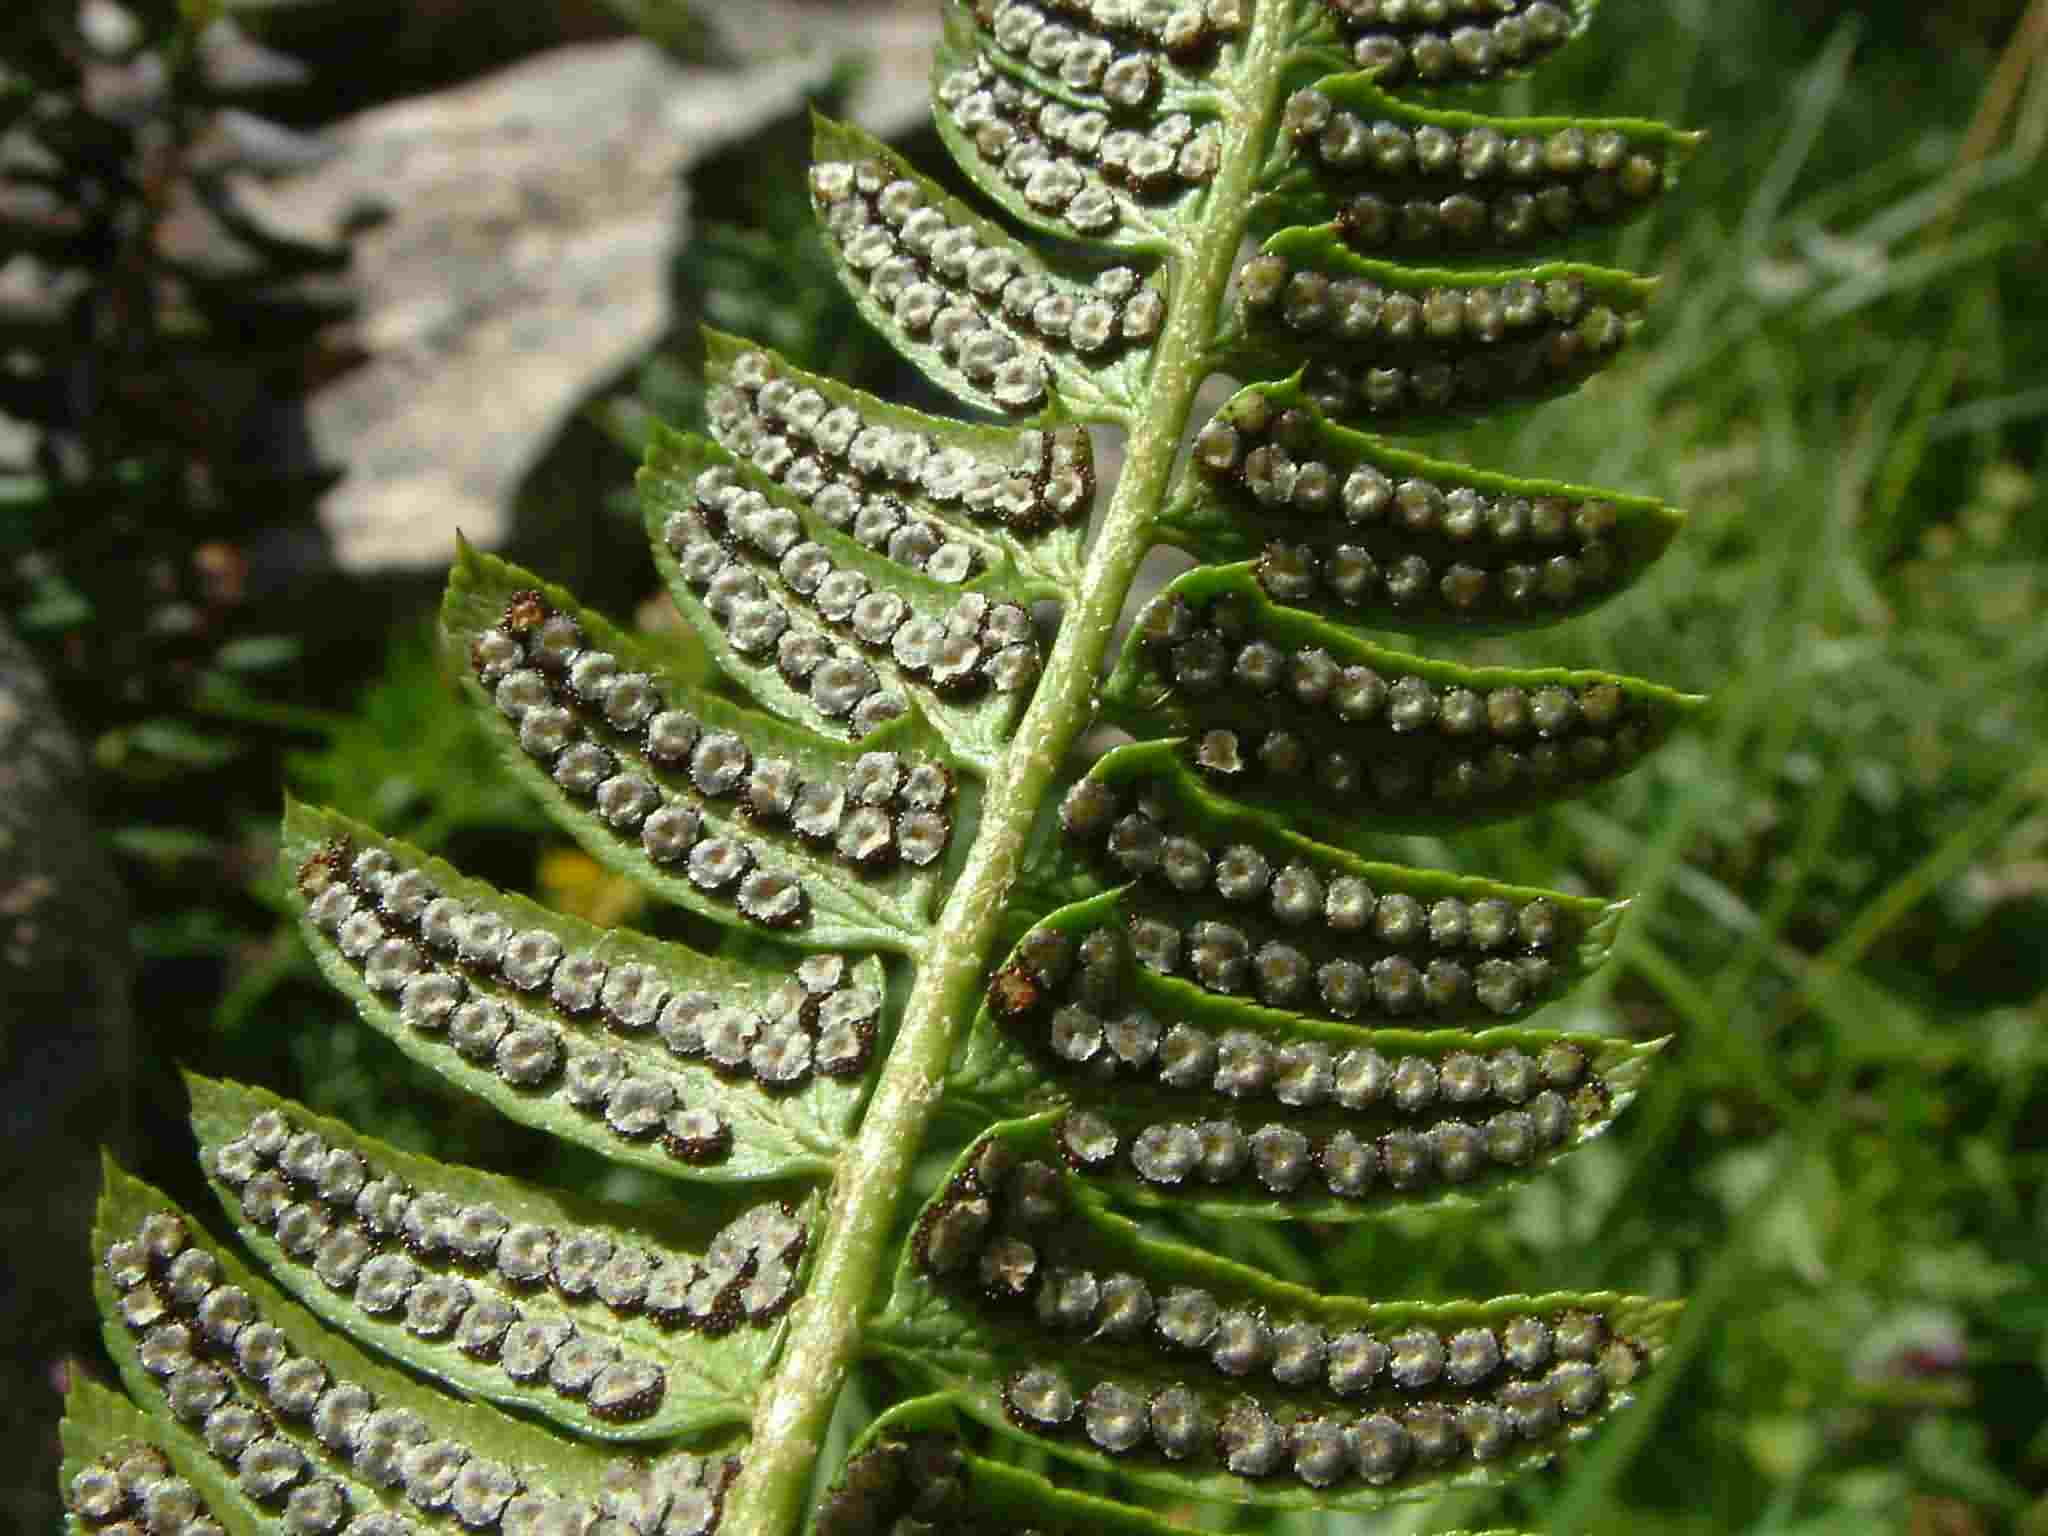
(1167, 980)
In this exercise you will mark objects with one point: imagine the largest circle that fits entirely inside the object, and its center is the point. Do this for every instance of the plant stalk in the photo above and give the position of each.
(825, 1336)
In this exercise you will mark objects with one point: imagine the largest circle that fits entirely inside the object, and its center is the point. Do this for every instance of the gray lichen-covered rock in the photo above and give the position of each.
(520, 231)
(66, 1050)
(891, 40)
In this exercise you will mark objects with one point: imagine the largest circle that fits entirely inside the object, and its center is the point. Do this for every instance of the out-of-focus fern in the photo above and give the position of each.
(147, 373)
(156, 496)
(1179, 982)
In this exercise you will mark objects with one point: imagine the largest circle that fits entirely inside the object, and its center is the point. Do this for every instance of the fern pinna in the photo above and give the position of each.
(1170, 981)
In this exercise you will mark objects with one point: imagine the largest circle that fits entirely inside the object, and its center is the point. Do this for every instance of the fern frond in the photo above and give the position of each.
(1182, 979)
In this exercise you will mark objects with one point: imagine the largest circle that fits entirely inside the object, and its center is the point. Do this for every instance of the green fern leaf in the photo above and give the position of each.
(1190, 1100)
(915, 1463)
(1423, 346)
(649, 1053)
(672, 785)
(1205, 1378)
(119, 1463)
(478, 1280)
(971, 316)
(1305, 719)
(316, 1432)
(1013, 495)
(1365, 532)
(841, 600)
(1410, 45)
(1392, 175)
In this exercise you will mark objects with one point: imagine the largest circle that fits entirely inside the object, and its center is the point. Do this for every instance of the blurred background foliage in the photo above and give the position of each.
(1840, 881)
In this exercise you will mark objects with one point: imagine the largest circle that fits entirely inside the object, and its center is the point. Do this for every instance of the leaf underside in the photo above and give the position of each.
(435, 1265)
(1222, 1000)
(266, 1412)
(917, 1463)
(1044, 1313)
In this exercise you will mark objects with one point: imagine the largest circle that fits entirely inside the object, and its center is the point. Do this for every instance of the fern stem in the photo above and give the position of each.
(825, 1337)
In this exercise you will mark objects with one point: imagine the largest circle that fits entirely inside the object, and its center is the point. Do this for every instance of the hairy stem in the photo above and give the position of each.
(824, 1337)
